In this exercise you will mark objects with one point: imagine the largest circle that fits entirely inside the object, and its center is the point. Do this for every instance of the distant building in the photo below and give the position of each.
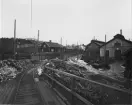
(26, 46)
(92, 50)
(51, 47)
(22, 46)
(69, 48)
(115, 47)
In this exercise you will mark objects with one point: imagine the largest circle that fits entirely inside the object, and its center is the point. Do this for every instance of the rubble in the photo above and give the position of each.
(10, 68)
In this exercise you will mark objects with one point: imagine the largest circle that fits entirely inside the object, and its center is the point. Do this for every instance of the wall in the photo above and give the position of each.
(27, 50)
(110, 46)
(92, 52)
(45, 47)
(6, 45)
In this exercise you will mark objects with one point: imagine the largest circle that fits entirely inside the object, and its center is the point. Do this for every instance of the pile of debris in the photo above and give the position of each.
(10, 68)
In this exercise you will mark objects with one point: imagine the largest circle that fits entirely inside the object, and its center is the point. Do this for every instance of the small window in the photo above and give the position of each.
(44, 46)
(117, 44)
(18, 46)
(52, 50)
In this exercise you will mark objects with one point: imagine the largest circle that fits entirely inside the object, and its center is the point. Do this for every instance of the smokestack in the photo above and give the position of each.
(121, 31)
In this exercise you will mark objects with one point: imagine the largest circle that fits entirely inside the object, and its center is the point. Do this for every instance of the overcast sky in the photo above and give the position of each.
(73, 20)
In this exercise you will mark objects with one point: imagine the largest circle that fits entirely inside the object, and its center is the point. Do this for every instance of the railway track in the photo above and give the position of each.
(27, 92)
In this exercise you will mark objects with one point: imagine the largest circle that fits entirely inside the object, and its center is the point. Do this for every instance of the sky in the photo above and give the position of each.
(76, 21)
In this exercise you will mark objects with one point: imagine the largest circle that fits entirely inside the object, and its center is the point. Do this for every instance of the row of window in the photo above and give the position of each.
(25, 45)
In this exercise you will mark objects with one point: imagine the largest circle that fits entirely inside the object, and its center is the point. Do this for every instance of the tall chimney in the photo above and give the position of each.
(121, 31)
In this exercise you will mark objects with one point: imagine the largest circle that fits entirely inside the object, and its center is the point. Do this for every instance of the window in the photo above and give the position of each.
(52, 50)
(44, 46)
(18, 46)
(117, 44)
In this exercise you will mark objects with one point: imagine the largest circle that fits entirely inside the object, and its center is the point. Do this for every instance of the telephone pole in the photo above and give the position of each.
(61, 50)
(14, 40)
(105, 59)
(38, 46)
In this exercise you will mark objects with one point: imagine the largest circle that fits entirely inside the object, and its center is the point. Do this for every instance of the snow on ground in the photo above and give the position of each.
(114, 72)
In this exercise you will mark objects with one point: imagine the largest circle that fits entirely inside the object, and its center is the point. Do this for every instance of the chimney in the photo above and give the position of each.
(50, 41)
(121, 31)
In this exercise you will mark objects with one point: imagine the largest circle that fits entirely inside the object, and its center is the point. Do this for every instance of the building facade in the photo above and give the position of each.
(115, 47)
(92, 50)
(22, 47)
(51, 47)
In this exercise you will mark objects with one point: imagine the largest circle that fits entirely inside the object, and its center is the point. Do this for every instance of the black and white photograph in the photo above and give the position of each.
(65, 52)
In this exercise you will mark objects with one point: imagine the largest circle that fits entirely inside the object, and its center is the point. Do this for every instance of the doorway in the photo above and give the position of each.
(118, 54)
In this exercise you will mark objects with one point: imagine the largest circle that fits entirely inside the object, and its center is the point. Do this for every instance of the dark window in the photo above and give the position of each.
(117, 44)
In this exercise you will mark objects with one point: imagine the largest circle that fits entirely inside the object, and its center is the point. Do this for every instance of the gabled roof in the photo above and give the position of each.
(117, 36)
(97, 42)
(52, 44)
(36, 42)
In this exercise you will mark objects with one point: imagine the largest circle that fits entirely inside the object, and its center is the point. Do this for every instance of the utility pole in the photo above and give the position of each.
(14, 40)
(105, 52)
(38, 46)
(61, 49)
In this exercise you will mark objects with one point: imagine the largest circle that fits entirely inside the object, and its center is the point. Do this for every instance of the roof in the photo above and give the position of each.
(18, 40)
(23, 41)
(53, 44)
(97, 42)
(36, 42)
(117, 36)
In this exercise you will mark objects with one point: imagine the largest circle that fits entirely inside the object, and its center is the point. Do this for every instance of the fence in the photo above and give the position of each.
(81, 91)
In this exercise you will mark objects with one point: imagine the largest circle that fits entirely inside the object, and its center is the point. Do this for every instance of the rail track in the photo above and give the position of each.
(27, 92)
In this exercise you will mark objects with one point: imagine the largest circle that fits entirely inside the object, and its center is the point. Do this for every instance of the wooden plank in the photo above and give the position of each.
(101, 84)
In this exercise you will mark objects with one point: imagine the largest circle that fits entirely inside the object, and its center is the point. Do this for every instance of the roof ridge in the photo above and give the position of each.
(117, 38)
